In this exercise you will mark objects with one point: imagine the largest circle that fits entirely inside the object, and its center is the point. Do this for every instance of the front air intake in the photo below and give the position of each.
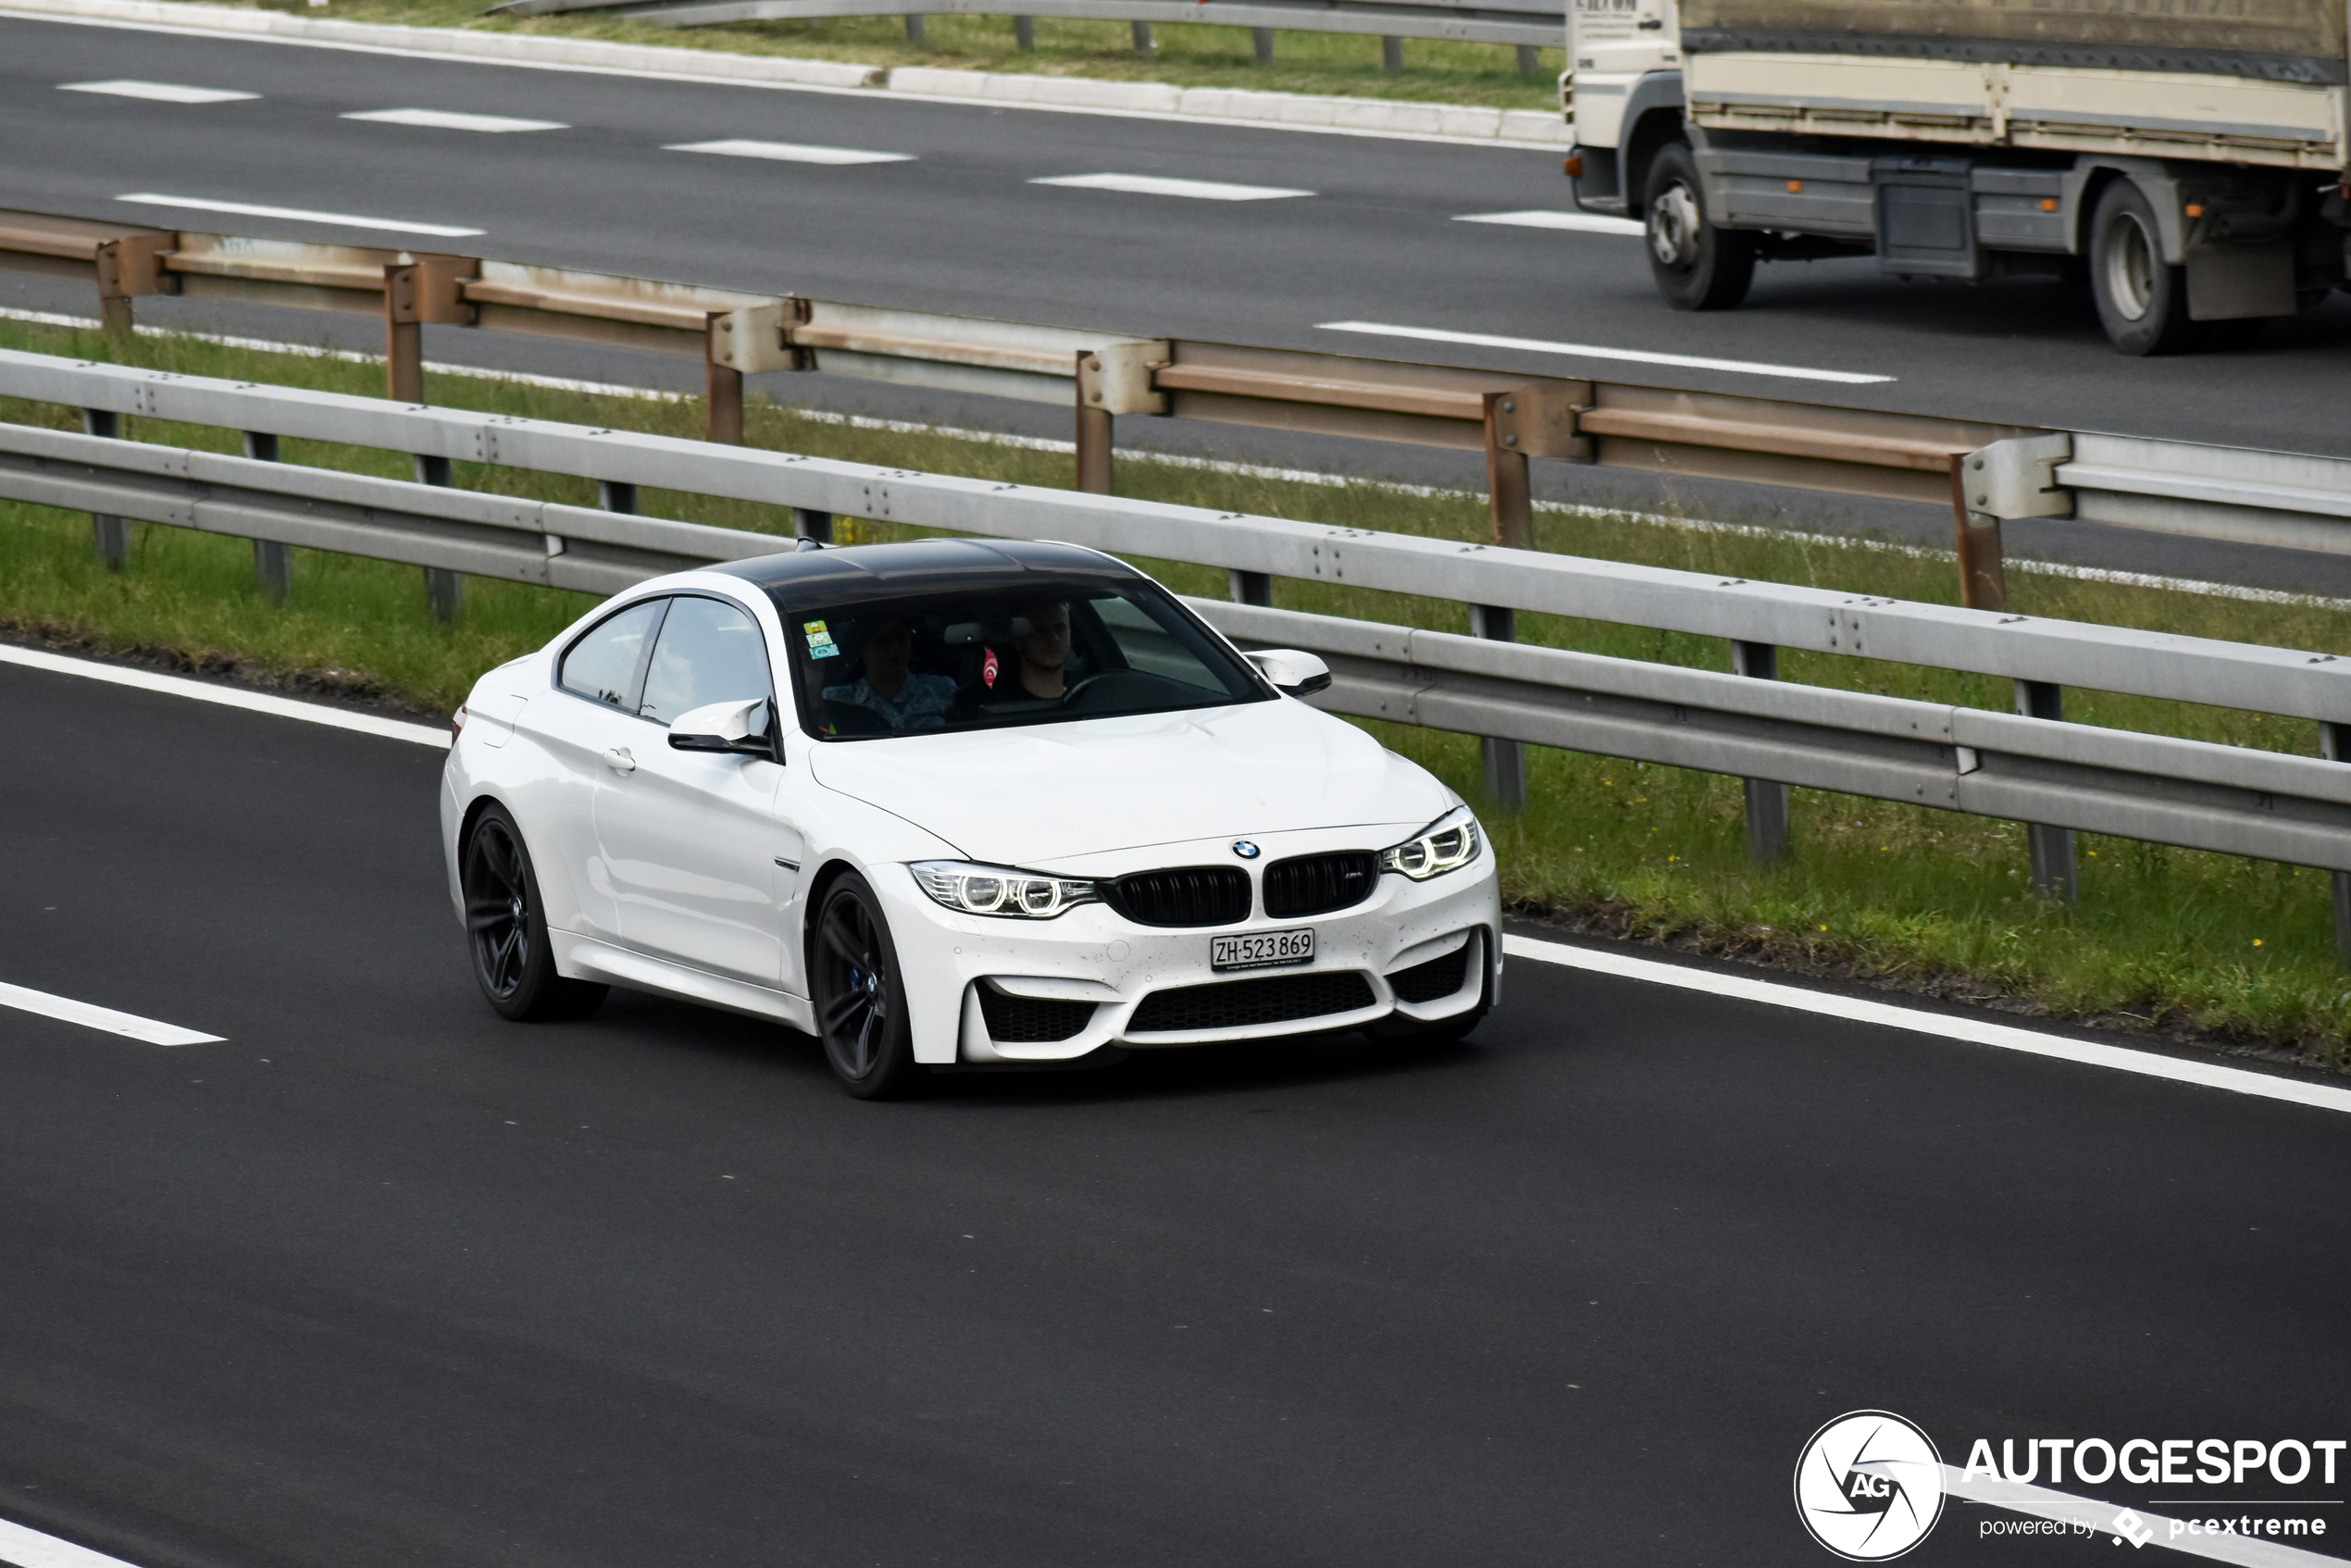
(1237, 1004)
(1187, 895)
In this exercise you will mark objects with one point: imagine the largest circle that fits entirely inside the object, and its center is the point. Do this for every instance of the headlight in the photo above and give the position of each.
(1447, 844)
(992, 889)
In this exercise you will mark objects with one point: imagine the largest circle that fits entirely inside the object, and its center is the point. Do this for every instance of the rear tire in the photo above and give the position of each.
(1697, 266)
(506, 929)
(2143, 303)
(861, 996)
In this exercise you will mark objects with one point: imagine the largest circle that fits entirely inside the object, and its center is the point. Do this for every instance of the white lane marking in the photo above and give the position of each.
(227, 696)
(1595, 351)
(95, 1017)
(23, 1548)
(159, 91)
(1152, 185)
(2105, 1519)
(786, 152)
(297, 214)
(1580, 222)
(445, 120)
(1893, 1015)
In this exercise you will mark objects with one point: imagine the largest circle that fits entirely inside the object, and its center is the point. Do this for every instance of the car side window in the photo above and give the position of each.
(602, 665)
(708, 651)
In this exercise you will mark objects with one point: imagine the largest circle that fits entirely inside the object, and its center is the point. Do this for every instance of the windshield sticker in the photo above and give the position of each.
(820, 641)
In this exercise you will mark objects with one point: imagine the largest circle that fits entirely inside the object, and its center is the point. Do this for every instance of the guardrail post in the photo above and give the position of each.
(2053, 863)
(1262, 38)
(809, 523)
(1250, 588)
(1025, 35)
(1094, 430)
(1391, 54)
(1504, 761)
(1530, 63)
(430, 288)
(1142, 34)
(722, 388)
(1982, 575)
(444, 590)
(128, 268)
(1508, 485)
(915, 30)
(272, 562)
(615, 495)
(111, 534)
(2335, 744)
(1766, 800)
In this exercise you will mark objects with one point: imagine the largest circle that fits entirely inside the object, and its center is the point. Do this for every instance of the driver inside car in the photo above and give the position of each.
(1038, 662)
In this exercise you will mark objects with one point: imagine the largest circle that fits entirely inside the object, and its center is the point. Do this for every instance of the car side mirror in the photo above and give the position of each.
(1290, 672)
(745, 727)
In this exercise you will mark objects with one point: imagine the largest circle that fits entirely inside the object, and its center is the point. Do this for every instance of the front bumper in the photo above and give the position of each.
(1091, 958)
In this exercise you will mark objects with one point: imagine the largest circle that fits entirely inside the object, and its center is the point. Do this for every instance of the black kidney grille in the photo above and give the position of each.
(1432, 981)
(1235, 1004)
(1317, 884)
(1034, 1020)
(1189, 895)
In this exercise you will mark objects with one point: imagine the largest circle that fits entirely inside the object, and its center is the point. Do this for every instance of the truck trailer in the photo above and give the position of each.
(2188, 158)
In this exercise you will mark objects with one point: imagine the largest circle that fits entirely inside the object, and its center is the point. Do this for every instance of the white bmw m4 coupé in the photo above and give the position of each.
(955, 802)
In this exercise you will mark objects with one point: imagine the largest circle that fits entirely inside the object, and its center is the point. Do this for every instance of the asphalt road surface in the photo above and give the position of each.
(382, 1280)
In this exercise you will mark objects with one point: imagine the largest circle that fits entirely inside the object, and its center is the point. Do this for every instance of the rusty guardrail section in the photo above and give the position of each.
(1513, 418)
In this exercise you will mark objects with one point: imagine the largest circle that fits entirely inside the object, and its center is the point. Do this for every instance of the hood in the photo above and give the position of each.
(1045, 792)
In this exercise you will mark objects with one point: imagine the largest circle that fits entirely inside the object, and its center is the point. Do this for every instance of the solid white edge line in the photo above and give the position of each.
(296, 215)
(92, 1016)
(24, 1548)
(1893, 1015)
(227, 696)
(1596, 351)
(1508, 145)
(2107, 1519)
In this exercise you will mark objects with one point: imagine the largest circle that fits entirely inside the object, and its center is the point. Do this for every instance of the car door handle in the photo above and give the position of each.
(619, 759)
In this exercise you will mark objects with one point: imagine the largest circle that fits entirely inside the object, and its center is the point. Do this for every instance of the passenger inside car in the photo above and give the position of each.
(889, 686)
(1034, 666)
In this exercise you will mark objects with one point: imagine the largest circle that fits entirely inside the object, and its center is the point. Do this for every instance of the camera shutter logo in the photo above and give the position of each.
(1868, 1486)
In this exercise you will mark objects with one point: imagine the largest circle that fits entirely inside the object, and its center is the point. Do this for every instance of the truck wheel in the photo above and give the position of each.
(1697, 266)
(2143, 303)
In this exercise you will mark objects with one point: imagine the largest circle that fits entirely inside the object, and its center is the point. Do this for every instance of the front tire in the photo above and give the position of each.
(2143, 303)
(507, 927)
(861, 995)
(1697, 266)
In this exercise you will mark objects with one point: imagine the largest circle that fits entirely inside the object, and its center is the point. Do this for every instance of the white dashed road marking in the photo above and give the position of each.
(1151, 185)
(1579, 222)
(297, 214)
(1596, 351)
(160, 92)
(787, 152)
(443, 119)
(95, 1017)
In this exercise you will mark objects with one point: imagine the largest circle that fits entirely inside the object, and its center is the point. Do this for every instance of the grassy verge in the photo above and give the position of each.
(1898, 893)
(1186, 55)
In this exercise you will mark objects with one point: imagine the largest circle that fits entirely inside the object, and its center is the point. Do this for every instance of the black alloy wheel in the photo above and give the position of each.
(861, 997)
(507, 927)
(1697, 265)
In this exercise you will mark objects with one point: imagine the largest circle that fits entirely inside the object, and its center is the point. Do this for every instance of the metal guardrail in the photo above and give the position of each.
(1530, 24)
(2060, 776)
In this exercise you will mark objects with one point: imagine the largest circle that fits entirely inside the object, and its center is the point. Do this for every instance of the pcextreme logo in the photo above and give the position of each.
(1868, 1486)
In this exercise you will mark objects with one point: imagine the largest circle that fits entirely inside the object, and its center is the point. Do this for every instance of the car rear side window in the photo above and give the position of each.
(602, 665)
(709, 650)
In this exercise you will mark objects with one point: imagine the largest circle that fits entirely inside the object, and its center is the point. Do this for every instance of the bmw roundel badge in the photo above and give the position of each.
(1244, 849)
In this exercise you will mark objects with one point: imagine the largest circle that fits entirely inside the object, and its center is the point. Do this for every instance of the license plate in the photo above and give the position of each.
(1261, 949)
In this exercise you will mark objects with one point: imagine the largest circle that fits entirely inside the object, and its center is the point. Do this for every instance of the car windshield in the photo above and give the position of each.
(1038, 655)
